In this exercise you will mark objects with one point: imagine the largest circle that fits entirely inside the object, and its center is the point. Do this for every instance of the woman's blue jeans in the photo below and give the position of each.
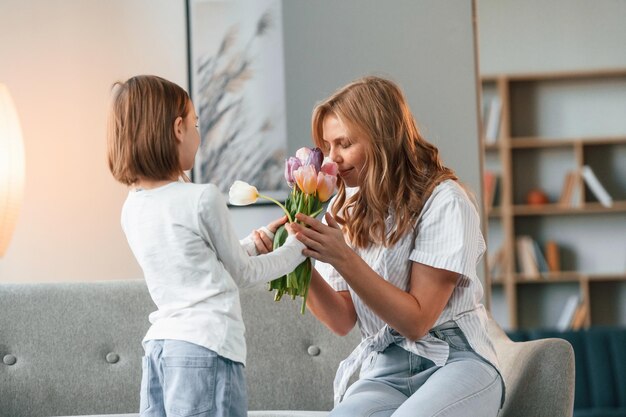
(401, 384)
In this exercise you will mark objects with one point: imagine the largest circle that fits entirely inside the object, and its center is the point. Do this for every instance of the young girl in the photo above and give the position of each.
(398, 256)
(182, 237)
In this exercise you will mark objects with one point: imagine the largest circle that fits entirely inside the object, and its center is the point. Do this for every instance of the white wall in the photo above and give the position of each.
(59, 59)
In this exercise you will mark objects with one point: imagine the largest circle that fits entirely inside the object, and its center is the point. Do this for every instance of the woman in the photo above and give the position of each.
(397, 254)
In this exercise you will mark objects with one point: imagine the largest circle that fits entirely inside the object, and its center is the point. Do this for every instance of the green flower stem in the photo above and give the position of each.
(277, 202)
(317, 212)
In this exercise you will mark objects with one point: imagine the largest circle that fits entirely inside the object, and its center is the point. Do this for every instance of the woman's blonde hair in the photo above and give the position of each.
(401, 167)
(141, 143)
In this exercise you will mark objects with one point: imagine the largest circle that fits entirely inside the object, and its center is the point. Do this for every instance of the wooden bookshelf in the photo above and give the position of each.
(551, 124)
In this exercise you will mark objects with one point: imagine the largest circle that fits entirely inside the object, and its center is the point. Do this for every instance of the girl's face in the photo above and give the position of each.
(189, 138)
(347, 151)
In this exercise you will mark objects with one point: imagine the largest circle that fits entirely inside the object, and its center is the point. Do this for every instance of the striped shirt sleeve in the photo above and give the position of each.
(448, 235)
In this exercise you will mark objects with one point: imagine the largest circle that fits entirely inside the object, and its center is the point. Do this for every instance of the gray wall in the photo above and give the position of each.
(557, 35)
(426, 46)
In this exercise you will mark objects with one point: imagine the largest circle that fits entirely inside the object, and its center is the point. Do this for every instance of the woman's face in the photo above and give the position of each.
(347, 151)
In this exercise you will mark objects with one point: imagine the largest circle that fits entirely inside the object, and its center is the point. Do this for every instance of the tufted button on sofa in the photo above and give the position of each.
(72, 349)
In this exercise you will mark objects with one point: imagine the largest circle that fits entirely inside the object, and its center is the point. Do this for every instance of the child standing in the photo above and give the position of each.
(183, 239)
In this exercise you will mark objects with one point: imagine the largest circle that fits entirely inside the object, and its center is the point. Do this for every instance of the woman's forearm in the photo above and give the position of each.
(334, 309)
(394, 306)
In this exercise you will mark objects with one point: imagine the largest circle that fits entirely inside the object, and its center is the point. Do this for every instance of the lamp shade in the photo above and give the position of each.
(11, 168)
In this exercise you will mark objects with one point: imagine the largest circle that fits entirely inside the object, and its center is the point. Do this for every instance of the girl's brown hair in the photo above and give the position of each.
(401, 167)
(140, 137)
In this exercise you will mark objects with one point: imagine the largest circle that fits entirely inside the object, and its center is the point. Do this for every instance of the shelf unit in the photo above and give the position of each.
(551, 124)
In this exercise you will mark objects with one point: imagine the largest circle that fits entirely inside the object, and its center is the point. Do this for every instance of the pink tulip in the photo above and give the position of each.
(291, 165)
(325, 186)
(303, 154)
(306, 178)
(329, 167)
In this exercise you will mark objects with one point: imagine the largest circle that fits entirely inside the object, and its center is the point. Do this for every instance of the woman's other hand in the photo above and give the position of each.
(324, 242)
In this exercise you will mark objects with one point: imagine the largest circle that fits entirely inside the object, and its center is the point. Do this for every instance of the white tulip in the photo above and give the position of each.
(242, 194)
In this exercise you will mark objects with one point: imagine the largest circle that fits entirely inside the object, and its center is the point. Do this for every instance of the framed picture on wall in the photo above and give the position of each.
(236, 77)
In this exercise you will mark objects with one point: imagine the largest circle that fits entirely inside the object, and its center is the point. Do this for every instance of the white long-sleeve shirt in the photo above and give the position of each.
(182, 237)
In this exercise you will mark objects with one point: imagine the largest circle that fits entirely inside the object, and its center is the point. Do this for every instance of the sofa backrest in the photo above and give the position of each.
(292, 358)
(75, 348)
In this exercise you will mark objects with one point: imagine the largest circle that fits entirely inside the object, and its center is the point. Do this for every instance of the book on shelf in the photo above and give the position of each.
(596, 187)
(495, 262)
(492, 122)
(567, 314)
(526, 257)
(542, 263)
(570, 193)
(490, 180)
(553, 257)
(580, 316)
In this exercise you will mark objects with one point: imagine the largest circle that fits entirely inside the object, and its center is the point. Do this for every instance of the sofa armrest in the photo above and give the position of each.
(539, 375)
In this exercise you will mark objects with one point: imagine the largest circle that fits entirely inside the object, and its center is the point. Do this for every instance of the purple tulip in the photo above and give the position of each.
(291, 165)
(315, 158)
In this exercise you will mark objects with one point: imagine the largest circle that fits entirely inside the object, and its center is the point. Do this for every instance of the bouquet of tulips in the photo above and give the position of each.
(312, 181)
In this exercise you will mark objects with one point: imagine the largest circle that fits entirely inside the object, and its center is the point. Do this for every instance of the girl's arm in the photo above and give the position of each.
(412, 313)
(215, 225)
(333, 308)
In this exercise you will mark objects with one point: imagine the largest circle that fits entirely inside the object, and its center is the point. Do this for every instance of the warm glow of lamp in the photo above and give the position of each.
(11, 168)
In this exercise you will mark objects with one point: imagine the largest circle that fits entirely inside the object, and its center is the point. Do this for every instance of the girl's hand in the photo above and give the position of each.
(263, 242)
(275, 225)
(324, 243)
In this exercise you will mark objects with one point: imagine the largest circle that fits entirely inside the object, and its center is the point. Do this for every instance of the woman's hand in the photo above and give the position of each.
(263, 242)
(324, 243)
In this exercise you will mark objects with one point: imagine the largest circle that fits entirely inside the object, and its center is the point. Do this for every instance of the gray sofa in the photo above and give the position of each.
(74, 349)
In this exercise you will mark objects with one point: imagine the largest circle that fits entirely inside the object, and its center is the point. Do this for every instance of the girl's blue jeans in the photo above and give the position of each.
(401, 384)
(181, 379)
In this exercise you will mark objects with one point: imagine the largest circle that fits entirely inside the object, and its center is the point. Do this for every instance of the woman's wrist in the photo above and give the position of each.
(347, 262)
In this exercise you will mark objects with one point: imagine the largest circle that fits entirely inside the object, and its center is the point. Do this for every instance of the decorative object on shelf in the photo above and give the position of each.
(537, 197)
(11, 168)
